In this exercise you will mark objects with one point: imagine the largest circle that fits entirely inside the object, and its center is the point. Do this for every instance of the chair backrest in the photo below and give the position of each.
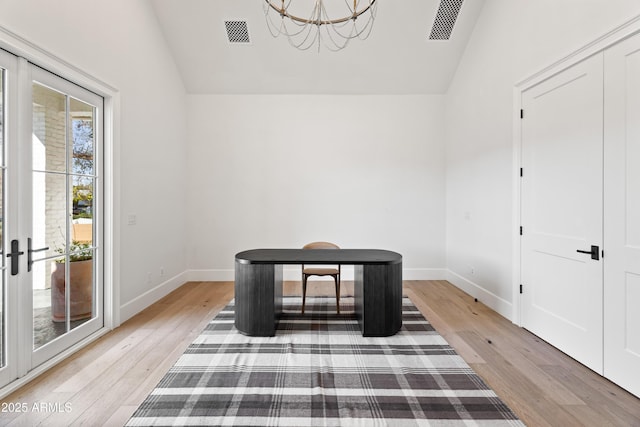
(320, 245)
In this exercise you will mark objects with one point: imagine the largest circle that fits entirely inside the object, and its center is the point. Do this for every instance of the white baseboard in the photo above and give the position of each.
(213, 275)
(138, 304)
(500, 305)
(424, 274)
(293, 273)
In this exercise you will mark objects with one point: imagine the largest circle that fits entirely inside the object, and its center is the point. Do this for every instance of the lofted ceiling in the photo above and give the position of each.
(397, 58)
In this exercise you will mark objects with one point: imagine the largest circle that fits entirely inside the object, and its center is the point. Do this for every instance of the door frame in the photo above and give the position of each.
(22, 48)
(608, 39)
(10, 184)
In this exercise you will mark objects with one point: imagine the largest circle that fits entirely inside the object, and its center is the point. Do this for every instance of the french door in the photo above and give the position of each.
(50, 213)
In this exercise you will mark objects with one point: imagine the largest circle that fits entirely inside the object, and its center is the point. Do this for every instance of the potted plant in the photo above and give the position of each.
(81, 283)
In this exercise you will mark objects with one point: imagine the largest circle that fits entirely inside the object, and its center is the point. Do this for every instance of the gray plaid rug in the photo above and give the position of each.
(319, 371)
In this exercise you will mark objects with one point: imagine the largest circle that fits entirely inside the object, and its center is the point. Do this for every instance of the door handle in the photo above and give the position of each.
(30, 260)
(594, 252)
(15, 256)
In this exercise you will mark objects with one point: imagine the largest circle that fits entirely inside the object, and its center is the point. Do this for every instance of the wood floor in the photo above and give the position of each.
(103, 383)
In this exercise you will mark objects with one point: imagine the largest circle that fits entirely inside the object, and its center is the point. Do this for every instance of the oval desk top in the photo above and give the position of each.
(318, 256)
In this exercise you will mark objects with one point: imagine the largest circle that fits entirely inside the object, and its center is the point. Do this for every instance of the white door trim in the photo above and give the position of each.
(612, 37)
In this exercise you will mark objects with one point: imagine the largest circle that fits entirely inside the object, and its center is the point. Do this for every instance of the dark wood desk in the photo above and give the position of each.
(377, 287)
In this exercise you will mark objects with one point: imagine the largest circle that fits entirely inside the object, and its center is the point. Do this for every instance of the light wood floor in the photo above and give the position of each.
(103, 383)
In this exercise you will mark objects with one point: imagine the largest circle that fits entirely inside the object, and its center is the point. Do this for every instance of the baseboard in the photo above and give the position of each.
(138, 304)
(505, 308)
(293, 273)
(424, 274)
(213, 275)
(500, 305)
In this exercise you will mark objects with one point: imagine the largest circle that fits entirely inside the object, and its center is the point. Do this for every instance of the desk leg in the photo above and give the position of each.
(378, 299)
(258, 298)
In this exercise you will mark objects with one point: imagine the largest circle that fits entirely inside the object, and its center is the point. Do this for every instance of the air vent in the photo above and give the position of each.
(445, 19)
(237, 31)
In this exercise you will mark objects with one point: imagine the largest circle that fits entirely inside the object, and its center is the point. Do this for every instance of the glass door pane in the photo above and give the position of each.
(82, 250)
(49, 212)
(62, 242)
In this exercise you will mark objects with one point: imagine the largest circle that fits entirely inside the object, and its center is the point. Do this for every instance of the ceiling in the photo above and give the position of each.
(397, 58)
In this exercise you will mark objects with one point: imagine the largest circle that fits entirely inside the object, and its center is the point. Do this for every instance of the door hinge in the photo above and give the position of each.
(521, 172)
(521, 230)
(521, 113)
(521, 288)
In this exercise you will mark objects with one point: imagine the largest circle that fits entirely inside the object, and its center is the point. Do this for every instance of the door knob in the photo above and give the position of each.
(594, 252)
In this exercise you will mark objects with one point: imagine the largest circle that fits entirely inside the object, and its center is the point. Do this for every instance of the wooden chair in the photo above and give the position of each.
(334, 272)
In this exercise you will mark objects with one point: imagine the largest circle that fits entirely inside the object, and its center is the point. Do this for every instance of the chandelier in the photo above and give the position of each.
(315, 27)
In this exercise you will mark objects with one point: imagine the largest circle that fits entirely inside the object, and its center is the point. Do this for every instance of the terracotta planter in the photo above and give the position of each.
(81, 275)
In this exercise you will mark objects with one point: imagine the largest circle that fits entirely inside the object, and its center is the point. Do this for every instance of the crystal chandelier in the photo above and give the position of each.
(315, 27)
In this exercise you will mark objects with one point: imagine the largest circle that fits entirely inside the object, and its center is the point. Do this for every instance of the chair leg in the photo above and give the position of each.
(304, 290)
(337, 280)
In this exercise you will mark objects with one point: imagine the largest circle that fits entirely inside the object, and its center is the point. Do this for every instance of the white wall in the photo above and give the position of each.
(258, 164)
(120, 43)
(281, 171)
(512, 40)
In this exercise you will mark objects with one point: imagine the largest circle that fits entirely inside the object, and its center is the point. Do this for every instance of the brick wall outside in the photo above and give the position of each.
(49, 128)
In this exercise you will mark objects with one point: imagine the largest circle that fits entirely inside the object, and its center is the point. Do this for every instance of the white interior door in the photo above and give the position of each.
(561, 211)
(622, 215)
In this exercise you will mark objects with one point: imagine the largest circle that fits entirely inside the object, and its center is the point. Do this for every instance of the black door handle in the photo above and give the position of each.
(30, 260)
(594, 252)
(14, 255)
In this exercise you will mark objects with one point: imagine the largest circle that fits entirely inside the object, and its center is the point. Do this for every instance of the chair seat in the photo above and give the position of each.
(320, 271)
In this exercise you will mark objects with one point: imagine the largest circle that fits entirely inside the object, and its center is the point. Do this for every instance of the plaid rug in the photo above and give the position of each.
(319, 371)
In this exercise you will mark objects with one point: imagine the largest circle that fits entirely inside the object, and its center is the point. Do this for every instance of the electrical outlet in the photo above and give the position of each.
(161, 271)
(148, 277)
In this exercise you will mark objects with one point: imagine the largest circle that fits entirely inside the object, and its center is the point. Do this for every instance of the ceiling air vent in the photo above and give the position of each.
(237, 31)
(445, 19)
